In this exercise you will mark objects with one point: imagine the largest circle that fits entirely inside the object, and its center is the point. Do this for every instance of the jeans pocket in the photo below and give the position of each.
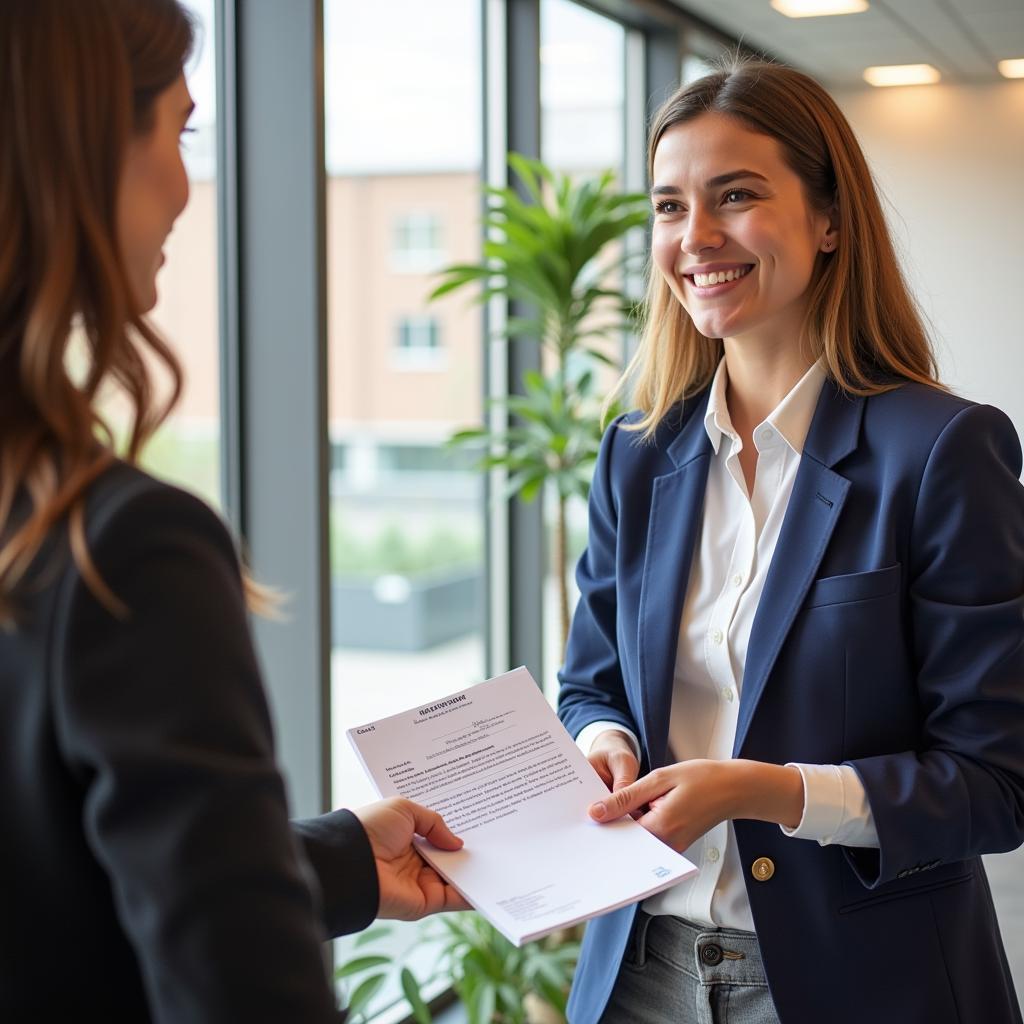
(636, 947)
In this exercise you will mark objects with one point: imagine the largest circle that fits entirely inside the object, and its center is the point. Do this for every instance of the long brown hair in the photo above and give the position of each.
(77, 81)
(861, 318)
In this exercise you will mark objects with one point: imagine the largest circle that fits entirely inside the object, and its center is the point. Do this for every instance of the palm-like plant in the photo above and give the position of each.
(548, 254)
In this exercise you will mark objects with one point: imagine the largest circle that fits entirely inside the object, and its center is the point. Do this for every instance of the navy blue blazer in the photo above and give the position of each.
(890, 637)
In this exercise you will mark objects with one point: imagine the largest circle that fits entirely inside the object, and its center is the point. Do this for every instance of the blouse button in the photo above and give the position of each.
(718, 636)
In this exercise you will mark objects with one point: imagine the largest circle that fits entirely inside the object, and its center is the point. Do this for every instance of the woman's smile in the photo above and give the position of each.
(711, 280)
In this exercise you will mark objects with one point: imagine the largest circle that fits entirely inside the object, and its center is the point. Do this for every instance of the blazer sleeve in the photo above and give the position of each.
(960, 793)
(339, 852)
(591, 680)
(162, 718)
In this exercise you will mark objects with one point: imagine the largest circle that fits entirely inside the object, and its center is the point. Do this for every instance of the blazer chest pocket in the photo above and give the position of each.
(854, 586)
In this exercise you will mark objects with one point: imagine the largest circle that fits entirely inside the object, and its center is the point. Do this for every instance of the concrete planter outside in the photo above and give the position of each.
(406, 613)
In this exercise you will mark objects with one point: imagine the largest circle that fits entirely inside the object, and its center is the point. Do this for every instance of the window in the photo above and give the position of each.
(418, 344)
(403, 94)
(422, 332)
(418, 247)
(583, 133)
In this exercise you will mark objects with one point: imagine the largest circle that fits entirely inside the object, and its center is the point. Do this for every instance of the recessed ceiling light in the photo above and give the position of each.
(1012, 68)
(818, 8)
(901, 74)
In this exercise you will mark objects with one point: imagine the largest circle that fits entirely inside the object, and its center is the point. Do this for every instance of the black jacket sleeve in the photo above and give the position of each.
(339, 851)
(162, 717)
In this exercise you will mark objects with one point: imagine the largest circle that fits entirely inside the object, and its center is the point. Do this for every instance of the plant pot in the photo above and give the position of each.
(405, 613)
(540, 1012)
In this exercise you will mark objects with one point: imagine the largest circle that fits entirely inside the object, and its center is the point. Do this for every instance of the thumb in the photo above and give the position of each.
(431, 826)
(623, 801)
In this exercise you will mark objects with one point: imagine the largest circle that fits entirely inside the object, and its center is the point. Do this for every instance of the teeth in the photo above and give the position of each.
(719, 277)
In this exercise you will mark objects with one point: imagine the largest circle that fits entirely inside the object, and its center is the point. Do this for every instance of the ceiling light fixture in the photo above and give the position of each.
(818, 8)
(901, 74)
(1012, 68)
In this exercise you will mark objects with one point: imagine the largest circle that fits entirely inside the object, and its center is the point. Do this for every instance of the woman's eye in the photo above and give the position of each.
(737, 195)
(666, 206)
(182, 138)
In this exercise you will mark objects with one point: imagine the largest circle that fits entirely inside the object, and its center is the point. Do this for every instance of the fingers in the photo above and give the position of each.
(626, 800)
(624, 768)
(599, 762)
(431, 826)
(616, 768)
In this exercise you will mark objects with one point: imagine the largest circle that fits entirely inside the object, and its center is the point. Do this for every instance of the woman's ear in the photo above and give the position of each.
(830, 240)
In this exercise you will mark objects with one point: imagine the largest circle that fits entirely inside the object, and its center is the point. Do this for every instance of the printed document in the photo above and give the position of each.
(497, 764)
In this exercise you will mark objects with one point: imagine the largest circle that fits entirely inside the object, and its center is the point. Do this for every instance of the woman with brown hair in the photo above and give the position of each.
(798, 655)
(149, 869)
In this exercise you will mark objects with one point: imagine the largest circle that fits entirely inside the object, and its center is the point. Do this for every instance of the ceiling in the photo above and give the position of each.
(962, 38)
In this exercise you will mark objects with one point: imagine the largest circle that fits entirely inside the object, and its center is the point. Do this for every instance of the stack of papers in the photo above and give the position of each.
(497, 764)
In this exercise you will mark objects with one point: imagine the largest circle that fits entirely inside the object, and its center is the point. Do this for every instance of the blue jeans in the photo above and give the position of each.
(675, 972)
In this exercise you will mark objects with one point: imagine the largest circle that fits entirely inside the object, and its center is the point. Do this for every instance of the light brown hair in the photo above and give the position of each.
(861, 318)
(77, 81)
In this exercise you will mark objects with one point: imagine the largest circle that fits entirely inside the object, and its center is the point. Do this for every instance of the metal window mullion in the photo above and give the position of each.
(527, 561)
(282, 370)
(231, 469)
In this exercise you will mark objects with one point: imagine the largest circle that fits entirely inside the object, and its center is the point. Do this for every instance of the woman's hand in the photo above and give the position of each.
(409, 887)
(612, 757)
(680, 802)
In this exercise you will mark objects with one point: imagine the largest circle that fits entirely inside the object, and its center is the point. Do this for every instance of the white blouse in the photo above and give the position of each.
(728, 574)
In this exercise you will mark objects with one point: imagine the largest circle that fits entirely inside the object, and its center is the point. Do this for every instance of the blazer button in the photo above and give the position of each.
(762, 869)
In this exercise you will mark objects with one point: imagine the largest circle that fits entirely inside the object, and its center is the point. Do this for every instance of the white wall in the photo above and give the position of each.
(950, 162)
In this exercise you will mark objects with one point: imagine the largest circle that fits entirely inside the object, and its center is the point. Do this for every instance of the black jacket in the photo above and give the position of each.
(149, 870)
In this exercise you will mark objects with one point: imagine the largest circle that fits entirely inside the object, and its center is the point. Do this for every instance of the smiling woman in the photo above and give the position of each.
(778, 167)
(739, 260)
(798, 650)
(154, 189)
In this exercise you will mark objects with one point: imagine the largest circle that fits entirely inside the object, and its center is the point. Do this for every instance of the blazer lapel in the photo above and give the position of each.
(814, 508)
(677, 504)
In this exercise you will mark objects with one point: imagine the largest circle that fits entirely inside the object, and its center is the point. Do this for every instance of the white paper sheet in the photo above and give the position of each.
(498, 765)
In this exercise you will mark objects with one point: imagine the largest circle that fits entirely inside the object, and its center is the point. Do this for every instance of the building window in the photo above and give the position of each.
(418, 244)
(418, 344)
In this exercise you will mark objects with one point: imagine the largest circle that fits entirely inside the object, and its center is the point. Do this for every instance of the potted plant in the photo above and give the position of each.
(496, 982)
(401, 591)
(551, 254)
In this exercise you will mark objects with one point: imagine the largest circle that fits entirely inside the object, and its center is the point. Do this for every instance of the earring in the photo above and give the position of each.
(827, 244)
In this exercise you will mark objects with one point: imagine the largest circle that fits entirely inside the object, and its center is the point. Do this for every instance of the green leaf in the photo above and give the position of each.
(362, 963)
(551, 994)
(468, 435)
(481, 1010)
(510, 997)
(364, 992)
(411, 991)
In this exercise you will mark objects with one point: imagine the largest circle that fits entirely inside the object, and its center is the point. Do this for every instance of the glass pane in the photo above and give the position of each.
(403, 101)
(186, 450)
(583, 121)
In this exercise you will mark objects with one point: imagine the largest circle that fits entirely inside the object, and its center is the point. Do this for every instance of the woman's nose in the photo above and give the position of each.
(702, 233)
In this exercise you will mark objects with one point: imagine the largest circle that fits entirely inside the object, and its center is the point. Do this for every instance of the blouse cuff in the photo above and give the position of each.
(836, 808)
(589, 733)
